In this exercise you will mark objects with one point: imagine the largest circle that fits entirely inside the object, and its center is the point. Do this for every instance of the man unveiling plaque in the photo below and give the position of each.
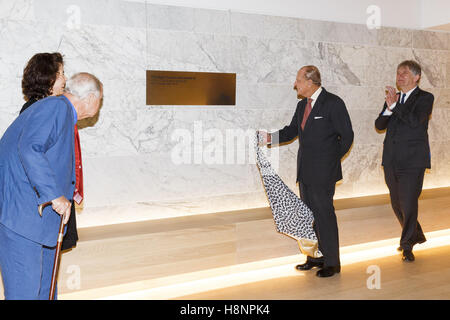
(190, 88)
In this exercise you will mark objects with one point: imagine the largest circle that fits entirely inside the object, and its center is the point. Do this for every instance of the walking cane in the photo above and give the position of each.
(57, 253)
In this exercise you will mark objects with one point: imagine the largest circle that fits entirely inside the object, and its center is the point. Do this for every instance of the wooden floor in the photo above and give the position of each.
(164, 259)
(426, 278)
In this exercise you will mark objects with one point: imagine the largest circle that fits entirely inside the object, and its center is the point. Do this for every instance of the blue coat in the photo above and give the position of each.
(37, 165)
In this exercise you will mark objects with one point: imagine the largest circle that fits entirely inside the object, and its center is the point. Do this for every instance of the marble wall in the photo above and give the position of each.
(146, 162)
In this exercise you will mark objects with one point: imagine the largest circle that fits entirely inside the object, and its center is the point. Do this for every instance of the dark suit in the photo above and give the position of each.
(406, 155)
(326, 138)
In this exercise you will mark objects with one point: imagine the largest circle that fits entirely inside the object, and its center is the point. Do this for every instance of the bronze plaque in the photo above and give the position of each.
(190, 88)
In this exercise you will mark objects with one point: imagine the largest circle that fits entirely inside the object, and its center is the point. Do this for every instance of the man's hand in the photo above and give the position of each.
(266, 138)
(391, 96)
(62, 206)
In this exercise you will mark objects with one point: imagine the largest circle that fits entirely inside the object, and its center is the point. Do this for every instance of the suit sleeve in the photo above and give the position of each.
(43, 127)
(343, 126)
(419, 115)
(382, 121)
(289, 132)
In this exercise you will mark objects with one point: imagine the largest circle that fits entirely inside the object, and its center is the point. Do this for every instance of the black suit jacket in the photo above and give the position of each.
(327, 137)
(406, 143)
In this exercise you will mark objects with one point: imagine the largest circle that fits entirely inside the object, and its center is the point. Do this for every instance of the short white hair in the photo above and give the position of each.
(82, 84)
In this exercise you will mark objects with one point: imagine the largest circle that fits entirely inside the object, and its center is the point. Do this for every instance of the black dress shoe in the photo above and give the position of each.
(328, 271)
(408, 256)
(309, 265)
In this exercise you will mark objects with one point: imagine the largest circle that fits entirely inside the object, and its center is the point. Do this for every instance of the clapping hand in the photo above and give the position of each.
(391, 96)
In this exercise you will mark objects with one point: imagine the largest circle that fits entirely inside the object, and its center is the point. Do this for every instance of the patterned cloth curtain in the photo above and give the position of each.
(291, 215)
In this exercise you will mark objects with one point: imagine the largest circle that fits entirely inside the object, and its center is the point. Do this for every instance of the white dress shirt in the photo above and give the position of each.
(387, 112)
(314, 96)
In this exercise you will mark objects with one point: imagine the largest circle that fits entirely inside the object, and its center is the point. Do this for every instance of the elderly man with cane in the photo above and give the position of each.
(37, 167)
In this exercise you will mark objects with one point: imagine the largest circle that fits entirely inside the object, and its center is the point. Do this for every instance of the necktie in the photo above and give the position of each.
(403, 98)
(308, 109)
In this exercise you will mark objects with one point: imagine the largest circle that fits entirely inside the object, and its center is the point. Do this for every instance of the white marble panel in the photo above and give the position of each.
(363, 163)
(432, 63)
(11, 97)
(80, 13)
(183, 51)
(170, 17)
(423, 39)
(187, 19)
(157, 178)
(265, 26)
(95, 216)
(363, 122)
(441, 97)
(93, 49)
(20, 40)
(382, 65)
(438, 175)
(130, 150)
(17, 9)
(277, 61)
(327, 31)
(275, 96)
(447, 83)
(212, 21)
(113, 131)
(342, 64)
(394, 37)
(158, 129)
(360, 98)
(439, 129)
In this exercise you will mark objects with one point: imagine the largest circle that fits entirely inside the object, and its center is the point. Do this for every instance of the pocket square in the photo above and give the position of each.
(315, 118)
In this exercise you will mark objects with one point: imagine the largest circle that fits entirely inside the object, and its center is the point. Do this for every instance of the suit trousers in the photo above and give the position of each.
(405, 186)
(319, 198)
(26, 267)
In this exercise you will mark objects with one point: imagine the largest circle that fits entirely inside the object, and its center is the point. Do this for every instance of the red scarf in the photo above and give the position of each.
(78, 192)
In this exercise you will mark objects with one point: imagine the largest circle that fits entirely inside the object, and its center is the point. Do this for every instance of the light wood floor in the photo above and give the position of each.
(426, 278)
(119, 260)
(138, 256)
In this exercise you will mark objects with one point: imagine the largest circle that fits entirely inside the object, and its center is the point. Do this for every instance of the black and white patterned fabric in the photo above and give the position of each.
(291, 215)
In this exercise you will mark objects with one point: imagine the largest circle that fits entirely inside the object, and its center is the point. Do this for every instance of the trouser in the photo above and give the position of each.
(405, 186)
(71, 237)
(26, 267)
(319, 198)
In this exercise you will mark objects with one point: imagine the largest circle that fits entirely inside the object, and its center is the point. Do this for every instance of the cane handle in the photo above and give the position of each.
(42, 206)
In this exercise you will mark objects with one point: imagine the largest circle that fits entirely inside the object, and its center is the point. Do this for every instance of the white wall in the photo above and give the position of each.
(398, 13)
(130, 173)
(413, 14)
(435, 13)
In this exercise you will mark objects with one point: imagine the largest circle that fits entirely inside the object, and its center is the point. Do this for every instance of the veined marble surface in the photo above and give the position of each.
(146, 162)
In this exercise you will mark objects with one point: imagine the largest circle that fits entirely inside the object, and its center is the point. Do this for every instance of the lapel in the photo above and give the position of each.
(412, 98)
(315, 110)
(409, 105)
